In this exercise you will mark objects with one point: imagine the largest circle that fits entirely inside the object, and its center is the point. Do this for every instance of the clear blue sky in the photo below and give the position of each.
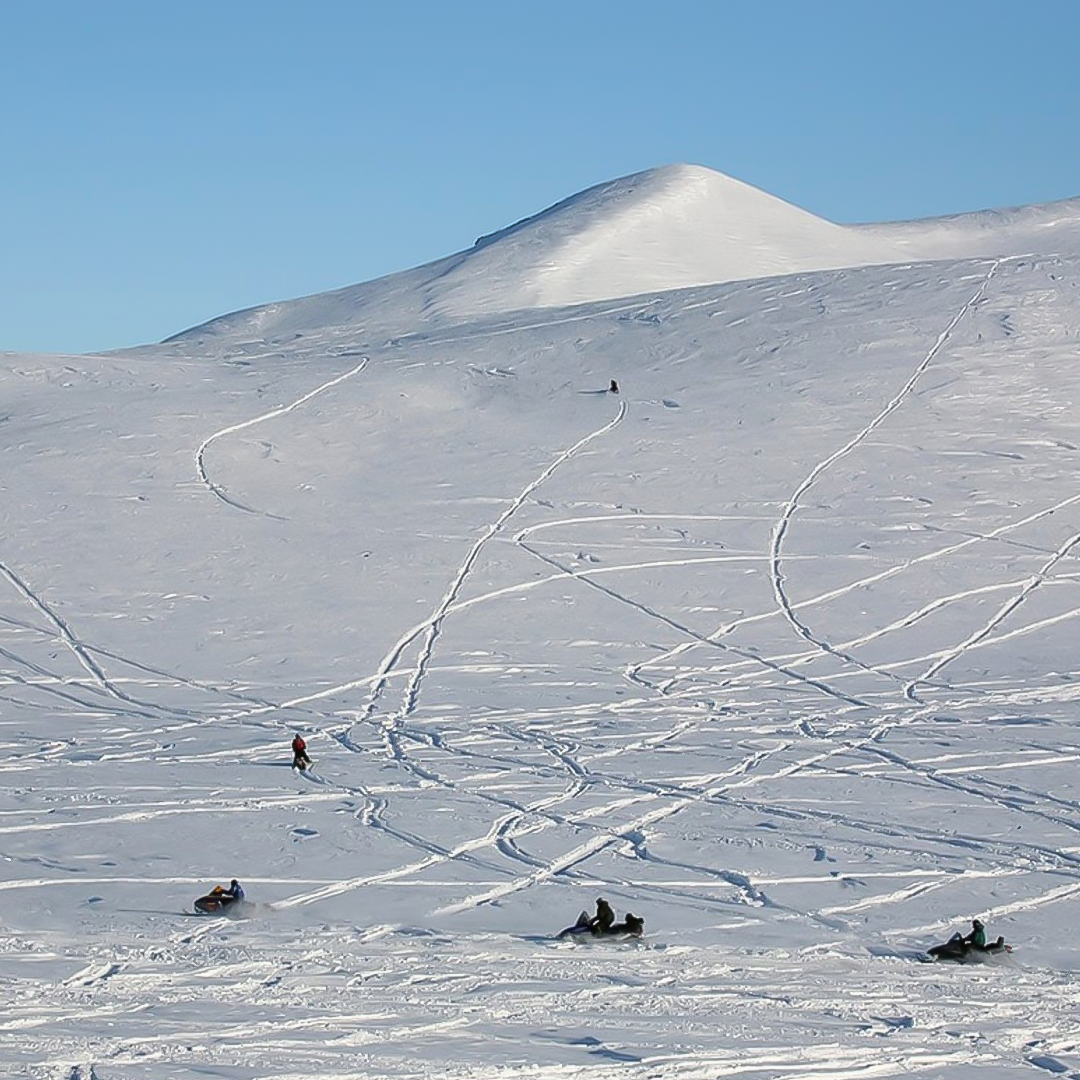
(163, 162)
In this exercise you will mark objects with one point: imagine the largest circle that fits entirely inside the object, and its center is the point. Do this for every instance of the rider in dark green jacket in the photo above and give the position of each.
(977, 938)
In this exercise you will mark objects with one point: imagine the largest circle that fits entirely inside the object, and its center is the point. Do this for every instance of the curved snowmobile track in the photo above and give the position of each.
(220, 490)
(784, 523)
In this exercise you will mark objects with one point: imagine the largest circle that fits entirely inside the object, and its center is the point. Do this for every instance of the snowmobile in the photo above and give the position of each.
(959, 951)
(219, 901)
(631, 926)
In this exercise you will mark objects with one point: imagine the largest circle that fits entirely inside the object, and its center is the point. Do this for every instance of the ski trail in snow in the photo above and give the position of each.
(863, 582)
(905, 621)
(787, 516)
(585, 850)
(997, 618)
(920, 613)
(54, 691)
(701, 639)
(1005, 799)
(998, 911)
(200, 455)
(512, 825)
(46, 676)
(63, 630)
(503, 831)
(596, 571)
(69, 639)
(437, 855)
(379, 678)
(710, 789)
(1011, 635)
(928, 608)
(432, 625)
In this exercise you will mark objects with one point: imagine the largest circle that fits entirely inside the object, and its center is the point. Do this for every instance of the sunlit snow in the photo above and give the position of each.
(775, 646)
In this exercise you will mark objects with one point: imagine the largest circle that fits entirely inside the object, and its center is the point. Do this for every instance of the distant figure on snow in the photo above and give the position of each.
(300, 759)
(614, 387)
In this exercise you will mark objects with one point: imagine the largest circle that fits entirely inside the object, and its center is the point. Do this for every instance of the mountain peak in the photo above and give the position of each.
(672, 227)
(666, 228)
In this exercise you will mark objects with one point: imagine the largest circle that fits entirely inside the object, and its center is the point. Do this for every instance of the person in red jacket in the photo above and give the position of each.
(300, 759)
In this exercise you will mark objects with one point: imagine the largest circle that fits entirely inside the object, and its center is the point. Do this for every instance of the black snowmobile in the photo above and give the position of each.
(959, 950)
(220, 901)
(631, 926)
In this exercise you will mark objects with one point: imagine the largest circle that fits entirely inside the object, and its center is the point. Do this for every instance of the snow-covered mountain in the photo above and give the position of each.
(669, 228)
(774, 646)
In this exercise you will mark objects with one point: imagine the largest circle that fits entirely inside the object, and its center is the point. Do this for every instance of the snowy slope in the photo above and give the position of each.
(668, 228)
(775, 647)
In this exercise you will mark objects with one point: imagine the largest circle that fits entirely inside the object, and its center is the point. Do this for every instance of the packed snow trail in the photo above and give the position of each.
(785, 521)
(432, 625)
(200, 454)
(412, 689)
(584, 576)
(1006, 609)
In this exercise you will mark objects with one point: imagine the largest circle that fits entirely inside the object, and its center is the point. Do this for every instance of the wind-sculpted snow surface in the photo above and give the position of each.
(775, 647)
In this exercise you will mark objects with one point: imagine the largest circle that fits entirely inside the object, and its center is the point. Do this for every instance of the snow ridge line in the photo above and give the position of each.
(780, 532)
(200, 454)
(433, 624)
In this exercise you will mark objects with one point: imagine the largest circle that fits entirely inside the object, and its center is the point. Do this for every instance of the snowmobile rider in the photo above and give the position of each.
(300, 759)
(633, 925)
(977, 938)
(604, 918)
(227, 897)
